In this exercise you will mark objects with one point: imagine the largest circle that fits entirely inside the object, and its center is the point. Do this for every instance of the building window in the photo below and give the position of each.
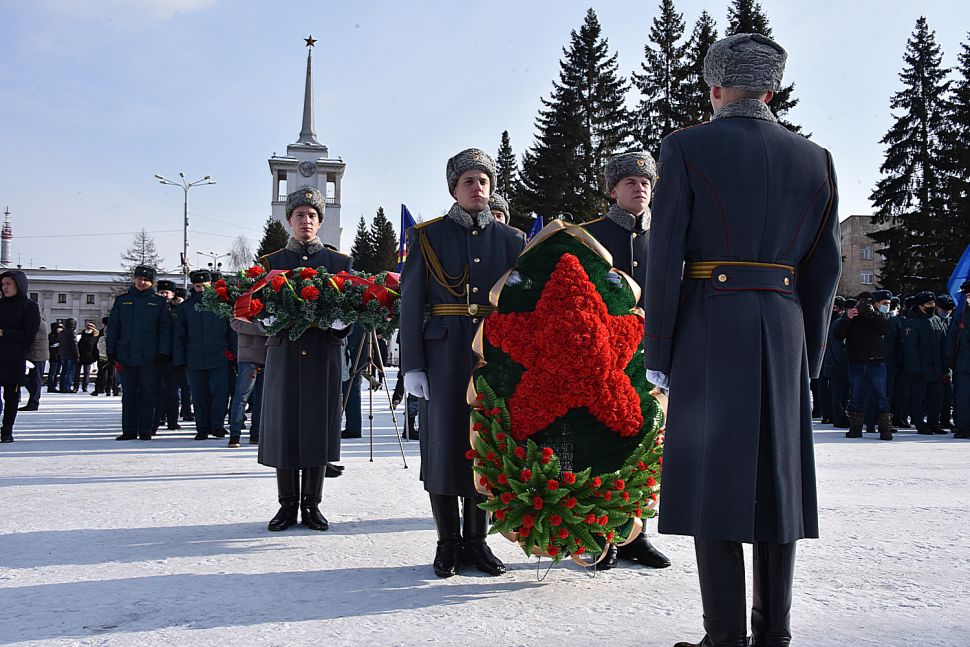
(865, 277)
(62, 298)
(90, 300)
(867, 252)
(33, 296)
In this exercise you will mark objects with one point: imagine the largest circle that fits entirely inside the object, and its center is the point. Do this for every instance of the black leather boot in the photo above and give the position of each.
(884, 420)
(609, 559)
(774, 569)
(720, 568)
(474, 550)
(444, 508)
(642, 551)
(855, 424)
(6, 435)
(312, 496)
(288, 489)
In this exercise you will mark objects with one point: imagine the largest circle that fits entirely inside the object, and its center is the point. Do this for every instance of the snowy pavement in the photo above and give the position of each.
(165, 543)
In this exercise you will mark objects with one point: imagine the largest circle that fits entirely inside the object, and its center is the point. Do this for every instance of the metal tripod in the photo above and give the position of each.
(374, 372)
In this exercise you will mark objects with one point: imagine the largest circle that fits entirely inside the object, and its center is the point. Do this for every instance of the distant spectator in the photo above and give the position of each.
(19, 321)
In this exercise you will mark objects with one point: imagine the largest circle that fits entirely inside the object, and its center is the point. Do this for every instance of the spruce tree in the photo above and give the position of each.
(957, 154)
(747, 17)
(363, 248)
(911, 196)
(697, 108)
(385, 244)
(274, 238)
(663, 81)
(142, 251)
(507, 183)
(581, 125)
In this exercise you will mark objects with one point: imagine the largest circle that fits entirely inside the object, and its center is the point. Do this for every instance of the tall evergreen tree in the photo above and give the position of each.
(698, 104)
(663, 81)
(385, 244)
(911, 196)
(507, 182)
(957, 153)
(363, 248)
(581, 125)
(274, 238)
(747, 17)
(142, 251)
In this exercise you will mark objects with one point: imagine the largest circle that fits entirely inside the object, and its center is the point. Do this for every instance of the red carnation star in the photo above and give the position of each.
(592, 346)
(307, 273)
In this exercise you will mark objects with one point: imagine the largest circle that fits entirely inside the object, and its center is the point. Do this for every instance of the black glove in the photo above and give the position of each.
(918, 376)
(162, 360)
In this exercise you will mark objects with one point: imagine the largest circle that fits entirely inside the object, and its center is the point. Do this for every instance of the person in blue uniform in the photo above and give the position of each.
(205, 345)
(300, 427)
(742, 266)
(452, 263)
(140, 341)
(167, 411)
(923, 346)
(623, 231)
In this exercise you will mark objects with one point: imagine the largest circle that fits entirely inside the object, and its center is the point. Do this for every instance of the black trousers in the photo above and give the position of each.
(927, 401)
(167, 408)
(139, 384)
(11, 400)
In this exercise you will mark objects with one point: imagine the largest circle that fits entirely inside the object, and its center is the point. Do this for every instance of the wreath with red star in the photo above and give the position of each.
(566, 434)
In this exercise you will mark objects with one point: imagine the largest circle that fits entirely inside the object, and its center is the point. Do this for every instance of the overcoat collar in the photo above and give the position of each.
(750, 108)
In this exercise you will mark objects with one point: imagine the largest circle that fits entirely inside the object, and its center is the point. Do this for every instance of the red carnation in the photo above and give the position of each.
(547, 451)
(618, 484)
(570, 503)
(544, 460)
(653, 496)
(642, 466)
(503, 479)
(255, 307)
(603, 520)
(307, 273)
(479, 396)
(651, 481)
(609, 536)
(524, 531)
(500, 515)
(490, 456)
(626, 496)
(660, 461)
(563, 533)
(500, 436)
(470, 454)
(525, 474)
(277, 282)
(552, 485)
(555, 520)
(552, 550)
(579, 550)
(639, 512)
(254, 271)
(609, 495)
(590, 518)
(506, 496)
(569, 477)
(310, 293)
(478, 426)
(537, 503)
(520, 452)
(597, 481)
(221, 283)
(483, 480)
(528, 521)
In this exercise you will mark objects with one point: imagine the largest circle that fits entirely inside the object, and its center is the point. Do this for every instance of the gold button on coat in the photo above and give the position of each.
(722, 278)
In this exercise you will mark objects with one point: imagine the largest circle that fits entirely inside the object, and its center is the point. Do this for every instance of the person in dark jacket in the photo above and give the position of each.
(958, 358)
(87, 348)
(302, 385)
(105, 382)
(944, 310)
(19, 322)
(436, 353)
(864, 330)
(38, 356)
(742, 266)
(70, 355)
(924, 344)
(167, 410)
(206, 346)
(140, 340)
(892, 355)
(623, 231)
(54, 346)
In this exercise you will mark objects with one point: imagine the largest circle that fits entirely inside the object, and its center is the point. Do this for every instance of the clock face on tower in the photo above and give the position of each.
(307, 168)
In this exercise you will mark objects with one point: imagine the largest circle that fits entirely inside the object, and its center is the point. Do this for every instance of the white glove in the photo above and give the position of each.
(658, 379)
(613, 279)
(268, 321)
(514, 278)
(339, 325)
(416, 384)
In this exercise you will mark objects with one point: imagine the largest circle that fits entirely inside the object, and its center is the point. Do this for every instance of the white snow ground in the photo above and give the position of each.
(165, 543)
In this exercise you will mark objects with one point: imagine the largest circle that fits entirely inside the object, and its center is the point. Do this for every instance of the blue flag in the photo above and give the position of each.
(536, 228)
(960, 274)
(406, 223)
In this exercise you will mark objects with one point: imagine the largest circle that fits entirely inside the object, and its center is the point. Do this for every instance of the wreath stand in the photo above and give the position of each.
(370, 369)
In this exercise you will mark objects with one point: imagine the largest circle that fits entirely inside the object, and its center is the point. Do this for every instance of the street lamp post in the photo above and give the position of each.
(185, 186)
(215, 264)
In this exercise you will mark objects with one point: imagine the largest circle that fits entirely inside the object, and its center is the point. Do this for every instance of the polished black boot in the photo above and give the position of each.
(288, 489)
(609, 559)
(474, 550)
(642, 551)
(312, 496)
(720, 568)
(444, 508)
(774, 570)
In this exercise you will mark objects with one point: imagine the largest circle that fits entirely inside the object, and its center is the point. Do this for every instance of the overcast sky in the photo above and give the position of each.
(97, 96)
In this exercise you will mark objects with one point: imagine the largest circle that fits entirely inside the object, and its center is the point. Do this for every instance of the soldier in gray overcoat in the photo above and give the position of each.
(623, 231)
(452, 264)
(301, 386)
(742, 266)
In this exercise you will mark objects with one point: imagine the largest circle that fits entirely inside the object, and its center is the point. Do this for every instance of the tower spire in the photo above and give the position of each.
(6, 241)
(308, 134)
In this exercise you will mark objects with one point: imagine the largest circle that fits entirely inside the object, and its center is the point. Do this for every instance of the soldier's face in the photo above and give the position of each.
(168, 294)
(498, 215)
(200, 287)
(142, 284)
(305, 222)
(9, 287)
(632, 194)
(472, 191)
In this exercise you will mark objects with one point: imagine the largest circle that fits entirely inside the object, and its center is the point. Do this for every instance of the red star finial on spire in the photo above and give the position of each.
(310, 41)
(575, 354)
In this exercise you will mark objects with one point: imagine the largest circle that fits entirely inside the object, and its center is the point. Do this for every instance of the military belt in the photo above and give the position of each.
(461, 310)
(748, 275)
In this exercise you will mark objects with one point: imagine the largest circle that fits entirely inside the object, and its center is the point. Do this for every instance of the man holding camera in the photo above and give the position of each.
(863, 330)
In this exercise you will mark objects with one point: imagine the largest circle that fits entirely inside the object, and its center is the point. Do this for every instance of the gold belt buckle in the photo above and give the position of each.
(473, 309)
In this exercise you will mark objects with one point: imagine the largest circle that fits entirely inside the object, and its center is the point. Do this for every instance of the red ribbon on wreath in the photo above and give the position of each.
(385, 294)
(243, 305)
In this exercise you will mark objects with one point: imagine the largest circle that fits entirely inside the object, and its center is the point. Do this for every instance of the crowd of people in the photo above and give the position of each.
(896, 363)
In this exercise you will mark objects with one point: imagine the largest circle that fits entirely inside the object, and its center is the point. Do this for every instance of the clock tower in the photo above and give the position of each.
(308, 163)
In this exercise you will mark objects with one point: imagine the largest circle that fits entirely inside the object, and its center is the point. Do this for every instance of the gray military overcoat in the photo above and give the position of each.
(300, 424)
(739, 346)
(442, 346)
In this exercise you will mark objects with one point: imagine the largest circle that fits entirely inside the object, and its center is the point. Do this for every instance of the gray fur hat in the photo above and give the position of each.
(746, 61)
(467, 160)
(627, 164)
(306, 196)
(498, 203)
